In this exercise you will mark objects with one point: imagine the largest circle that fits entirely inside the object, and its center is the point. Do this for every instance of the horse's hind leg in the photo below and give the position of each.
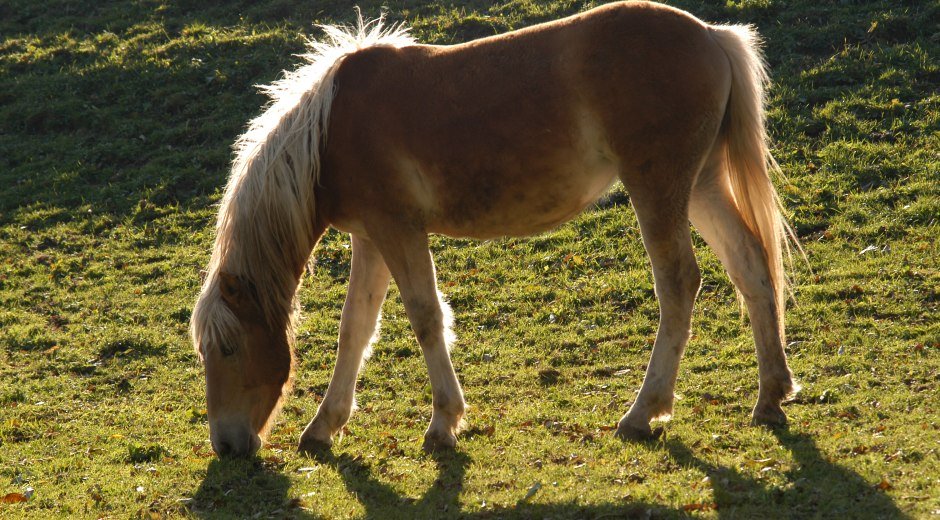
(714, 214)
(406, 252)
(664, 225)
(368, 284)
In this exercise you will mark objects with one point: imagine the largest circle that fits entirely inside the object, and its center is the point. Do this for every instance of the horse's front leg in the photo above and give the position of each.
(368, 284)
(409, 259)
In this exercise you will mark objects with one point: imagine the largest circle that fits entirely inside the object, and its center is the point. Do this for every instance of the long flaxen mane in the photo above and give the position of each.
(264, 231)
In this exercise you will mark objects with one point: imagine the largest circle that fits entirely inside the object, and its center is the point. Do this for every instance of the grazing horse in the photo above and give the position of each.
(510, 135)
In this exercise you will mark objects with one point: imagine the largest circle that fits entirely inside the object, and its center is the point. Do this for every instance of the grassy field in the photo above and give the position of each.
(116, 119)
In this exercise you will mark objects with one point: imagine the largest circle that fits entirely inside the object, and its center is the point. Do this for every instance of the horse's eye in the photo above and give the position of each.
(226, 350)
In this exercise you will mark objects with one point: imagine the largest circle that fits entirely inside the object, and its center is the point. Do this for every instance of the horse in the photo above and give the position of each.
(510, 135)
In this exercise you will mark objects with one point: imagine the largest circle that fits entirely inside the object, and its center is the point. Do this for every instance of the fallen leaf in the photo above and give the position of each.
(884, 485)
(13, 498)
(201, 450)
(704, 506)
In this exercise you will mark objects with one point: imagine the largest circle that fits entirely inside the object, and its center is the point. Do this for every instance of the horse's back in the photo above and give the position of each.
(513, 134)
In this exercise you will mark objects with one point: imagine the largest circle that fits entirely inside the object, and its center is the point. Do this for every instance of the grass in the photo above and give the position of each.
(115, 124)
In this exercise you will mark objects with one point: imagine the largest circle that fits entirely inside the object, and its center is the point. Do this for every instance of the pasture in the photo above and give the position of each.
(116, 121)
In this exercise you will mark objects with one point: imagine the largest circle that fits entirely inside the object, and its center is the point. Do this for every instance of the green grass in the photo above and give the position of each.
(115, 127)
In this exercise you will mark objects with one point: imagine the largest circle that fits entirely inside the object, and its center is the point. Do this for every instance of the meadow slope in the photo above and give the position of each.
(116, 120)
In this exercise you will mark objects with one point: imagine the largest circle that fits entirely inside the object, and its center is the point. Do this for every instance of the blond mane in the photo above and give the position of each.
(264, 231)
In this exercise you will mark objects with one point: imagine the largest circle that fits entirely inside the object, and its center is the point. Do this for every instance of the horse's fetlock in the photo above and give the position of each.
(456, 408)
(777, 388)
(451, 406)
(333, 417)
(316, 436)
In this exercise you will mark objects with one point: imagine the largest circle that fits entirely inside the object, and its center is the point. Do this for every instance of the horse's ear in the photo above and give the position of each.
(234, 291)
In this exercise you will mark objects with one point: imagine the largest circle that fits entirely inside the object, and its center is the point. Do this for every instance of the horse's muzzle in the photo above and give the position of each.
(235, 442)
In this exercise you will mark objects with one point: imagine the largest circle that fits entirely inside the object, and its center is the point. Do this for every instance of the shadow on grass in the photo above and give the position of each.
(244, 488)
(442, 499)
(138, 135)
(815, 487)
(380, 500)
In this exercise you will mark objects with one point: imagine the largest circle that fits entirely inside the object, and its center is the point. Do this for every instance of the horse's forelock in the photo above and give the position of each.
(213, 324)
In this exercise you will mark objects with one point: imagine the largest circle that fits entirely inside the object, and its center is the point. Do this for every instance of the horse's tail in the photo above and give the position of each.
(748, 160)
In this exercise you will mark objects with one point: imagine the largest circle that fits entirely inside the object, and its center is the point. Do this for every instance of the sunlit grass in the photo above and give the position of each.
(116, 120)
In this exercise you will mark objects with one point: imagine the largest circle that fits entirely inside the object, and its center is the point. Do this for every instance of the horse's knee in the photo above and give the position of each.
(690, 281)
(681, 286)
(428, 324)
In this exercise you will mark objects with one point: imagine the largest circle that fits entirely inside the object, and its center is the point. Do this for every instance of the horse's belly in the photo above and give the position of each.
(525, 203)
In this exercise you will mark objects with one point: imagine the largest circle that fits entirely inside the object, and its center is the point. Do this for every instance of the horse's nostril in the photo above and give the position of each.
(223, 449)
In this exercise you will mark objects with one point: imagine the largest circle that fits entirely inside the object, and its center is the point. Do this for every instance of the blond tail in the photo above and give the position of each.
(748, 161)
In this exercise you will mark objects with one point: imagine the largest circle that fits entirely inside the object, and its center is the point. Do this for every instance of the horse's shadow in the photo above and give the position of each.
(813, 488)
(380, 500)
(442, 499)
(244, 488)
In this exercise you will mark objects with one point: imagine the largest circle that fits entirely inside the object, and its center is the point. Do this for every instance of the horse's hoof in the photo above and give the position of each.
(771, 416)
(313, 447)
(435, 442)
(626, 432)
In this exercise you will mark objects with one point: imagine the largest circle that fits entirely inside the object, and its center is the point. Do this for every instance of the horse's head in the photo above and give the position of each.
(247, 361)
